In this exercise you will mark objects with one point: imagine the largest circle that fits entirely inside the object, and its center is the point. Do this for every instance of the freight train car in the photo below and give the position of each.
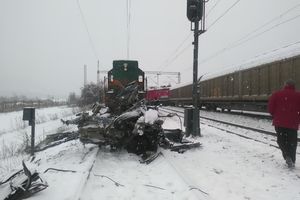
(124, 72)
(245, 89)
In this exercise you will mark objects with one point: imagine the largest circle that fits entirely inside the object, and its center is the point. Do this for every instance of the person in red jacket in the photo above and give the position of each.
(284, 106)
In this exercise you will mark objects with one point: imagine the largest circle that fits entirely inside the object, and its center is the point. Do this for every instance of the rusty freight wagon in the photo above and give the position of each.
(245, 89)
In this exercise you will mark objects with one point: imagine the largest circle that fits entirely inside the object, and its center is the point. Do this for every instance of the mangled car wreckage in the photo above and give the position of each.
(137, 129)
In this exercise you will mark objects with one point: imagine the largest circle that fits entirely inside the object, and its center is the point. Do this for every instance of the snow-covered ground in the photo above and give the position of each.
(15, 133)
(225, 167)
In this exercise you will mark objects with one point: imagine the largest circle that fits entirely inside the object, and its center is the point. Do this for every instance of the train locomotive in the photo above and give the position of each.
(246, 89)
(125, 85)
(157, 96)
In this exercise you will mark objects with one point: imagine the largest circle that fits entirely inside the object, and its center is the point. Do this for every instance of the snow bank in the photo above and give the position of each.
(13, 121)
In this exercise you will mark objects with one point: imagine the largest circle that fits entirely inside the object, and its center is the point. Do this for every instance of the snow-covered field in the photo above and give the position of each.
(225, 167)
(15, 133)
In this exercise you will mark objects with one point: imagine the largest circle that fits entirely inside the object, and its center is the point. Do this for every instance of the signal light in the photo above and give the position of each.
(194, 10)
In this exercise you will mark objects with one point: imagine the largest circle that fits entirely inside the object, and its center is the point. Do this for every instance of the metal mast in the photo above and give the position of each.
(98, 74)
(195, 13)
(85, 75)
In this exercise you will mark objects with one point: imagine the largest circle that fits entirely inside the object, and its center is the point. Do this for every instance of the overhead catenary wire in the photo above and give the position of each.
(275, 26)
(128, 18)
(87, 30)
(254, 57)
(186, 47)
(212, 8)
(250, 35)
(179, 54)
(272, 51)
(268, 22)
(167, 61)
(223, 14)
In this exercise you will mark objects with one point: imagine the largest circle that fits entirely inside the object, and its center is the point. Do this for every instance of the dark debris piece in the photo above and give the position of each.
(22, 184)
(151, 157)
(56, 139)
(180, 148)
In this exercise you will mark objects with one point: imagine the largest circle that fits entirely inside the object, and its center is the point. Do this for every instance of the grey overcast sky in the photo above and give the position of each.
(45, 43)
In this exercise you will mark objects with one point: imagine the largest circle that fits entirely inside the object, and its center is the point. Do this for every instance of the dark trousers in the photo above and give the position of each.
(287, 141)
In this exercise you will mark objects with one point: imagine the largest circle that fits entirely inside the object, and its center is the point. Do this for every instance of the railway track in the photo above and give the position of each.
(197, 191)
(85, 177)
(229, 124)
(119, 175)
(249, 114)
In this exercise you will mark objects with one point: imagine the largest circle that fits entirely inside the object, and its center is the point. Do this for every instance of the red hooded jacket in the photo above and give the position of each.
(284, 106)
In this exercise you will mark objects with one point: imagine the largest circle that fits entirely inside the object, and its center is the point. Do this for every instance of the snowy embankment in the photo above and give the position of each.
(15, 133)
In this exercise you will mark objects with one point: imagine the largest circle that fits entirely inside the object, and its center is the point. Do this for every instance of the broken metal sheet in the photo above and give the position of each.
(180, 148)
(22, 184)
(56, 139)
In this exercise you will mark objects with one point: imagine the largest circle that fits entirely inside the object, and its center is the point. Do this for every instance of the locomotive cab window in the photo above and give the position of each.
(140, 78)
(111, 78)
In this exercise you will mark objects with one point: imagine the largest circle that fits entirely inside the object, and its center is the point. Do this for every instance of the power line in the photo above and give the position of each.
(275, 26)
(242, 40)
(259, 55)
(87, 30)
(234, 4)
(166, 62)
(128, 8)
(248, 61)
(179, 54)
(269, 22)
(213, 7)
(274, 50)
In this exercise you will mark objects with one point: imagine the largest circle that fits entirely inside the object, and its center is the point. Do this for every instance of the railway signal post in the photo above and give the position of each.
(29, 114)
(195, 13)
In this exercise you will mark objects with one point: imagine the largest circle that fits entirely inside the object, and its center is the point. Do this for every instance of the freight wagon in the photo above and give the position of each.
(246, 89)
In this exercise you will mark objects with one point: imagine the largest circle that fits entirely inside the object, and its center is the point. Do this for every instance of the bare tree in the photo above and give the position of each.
(91, 93)
(72, 99)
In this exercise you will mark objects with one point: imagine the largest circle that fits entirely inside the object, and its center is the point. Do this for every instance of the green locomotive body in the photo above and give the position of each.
(124, 73)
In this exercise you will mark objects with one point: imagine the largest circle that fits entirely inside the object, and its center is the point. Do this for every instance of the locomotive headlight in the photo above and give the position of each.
(140, 79)
(125, 66)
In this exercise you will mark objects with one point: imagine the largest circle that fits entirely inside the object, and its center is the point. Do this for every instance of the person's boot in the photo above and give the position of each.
(289, 162)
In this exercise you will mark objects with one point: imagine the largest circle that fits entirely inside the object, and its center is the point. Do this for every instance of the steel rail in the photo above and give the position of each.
(85, 177)
(232, 124)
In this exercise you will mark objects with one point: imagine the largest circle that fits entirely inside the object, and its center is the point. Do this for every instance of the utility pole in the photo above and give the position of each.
(85, 75)
(98, 74)
(196, 117)
(195, 13)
